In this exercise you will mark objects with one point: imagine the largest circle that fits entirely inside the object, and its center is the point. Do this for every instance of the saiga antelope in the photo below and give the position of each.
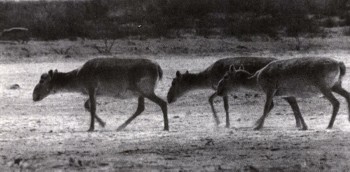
(299, 77)
(120, 78)
(209, 78)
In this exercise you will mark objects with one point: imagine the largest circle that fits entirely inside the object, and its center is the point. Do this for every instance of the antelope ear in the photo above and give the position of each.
(54, 73)
(186, 71)
(178, 74)
(241, 67)
(50, 73)
(232, 68)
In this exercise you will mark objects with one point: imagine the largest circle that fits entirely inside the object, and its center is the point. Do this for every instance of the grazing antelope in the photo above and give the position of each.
(300, 77)
(119, 78)
(209, 78)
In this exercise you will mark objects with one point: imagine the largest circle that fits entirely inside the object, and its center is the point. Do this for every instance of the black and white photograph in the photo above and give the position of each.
(175, 85)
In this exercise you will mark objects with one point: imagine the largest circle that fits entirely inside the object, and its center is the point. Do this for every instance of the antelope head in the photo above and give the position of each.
(45, 86)
(179, 86)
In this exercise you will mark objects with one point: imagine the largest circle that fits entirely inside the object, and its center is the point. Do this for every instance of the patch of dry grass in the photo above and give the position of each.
(197, 46)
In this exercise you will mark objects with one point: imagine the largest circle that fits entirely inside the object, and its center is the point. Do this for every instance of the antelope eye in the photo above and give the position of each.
(226, 77)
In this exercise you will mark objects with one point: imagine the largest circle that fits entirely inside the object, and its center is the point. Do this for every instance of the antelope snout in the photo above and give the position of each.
(36, 98)
(170, 100)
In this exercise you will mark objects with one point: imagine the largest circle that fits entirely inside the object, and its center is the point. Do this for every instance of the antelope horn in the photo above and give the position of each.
(215, 86)
(241, 67)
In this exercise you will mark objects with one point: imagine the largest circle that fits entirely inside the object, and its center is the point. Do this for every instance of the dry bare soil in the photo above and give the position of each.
(50, 135)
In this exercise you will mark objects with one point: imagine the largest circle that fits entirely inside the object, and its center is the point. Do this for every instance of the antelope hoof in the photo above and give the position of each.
(166, 128)
(120, 128)
(103, 124)
(329, 127)
(258, 127)
(303, 128)
(90, 130)
(227, 126)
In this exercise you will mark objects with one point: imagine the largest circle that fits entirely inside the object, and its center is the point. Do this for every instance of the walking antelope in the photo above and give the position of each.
(209, 78)
(300, 77)
(120, 78)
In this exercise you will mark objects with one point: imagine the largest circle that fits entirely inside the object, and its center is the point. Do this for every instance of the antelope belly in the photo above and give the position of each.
(298, 88)
(295, 92)
(116, 91)
(126, 94)
(250, 89)
(121, 94)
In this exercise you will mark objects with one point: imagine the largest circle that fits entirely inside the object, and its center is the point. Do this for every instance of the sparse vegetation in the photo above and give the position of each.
(61, 51)
(106, 48)
(97, 19)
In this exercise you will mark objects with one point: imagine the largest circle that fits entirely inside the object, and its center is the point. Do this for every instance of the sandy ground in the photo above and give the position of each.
(51, 134)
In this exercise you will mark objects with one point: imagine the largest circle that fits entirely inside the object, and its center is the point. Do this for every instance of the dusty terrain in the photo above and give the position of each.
(51, 134)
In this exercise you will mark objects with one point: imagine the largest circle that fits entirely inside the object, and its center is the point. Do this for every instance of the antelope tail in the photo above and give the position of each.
(160, 72)
(342, 69)
(255, 75)
(215, 87)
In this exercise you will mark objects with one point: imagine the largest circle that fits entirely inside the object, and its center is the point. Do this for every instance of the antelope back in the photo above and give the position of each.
(117, 76)
(300, 77)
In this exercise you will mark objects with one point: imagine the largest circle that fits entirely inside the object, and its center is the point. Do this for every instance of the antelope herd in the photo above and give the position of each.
(126, 78)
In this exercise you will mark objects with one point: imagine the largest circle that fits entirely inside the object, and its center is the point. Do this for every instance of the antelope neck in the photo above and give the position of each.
(66, 81)
(198, 80)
